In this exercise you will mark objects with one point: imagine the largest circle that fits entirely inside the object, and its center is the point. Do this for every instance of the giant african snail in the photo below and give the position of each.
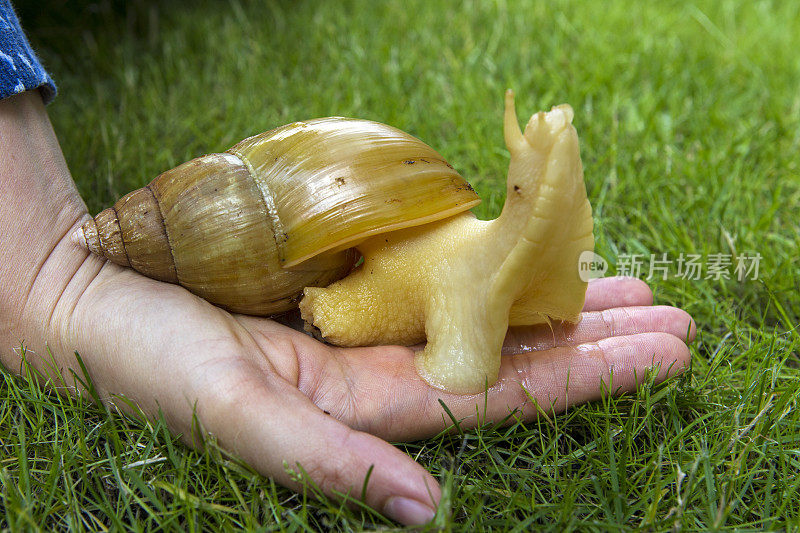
(250, 228)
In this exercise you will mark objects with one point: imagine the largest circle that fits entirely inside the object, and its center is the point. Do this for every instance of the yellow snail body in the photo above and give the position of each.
(431, 271)
(248, 229)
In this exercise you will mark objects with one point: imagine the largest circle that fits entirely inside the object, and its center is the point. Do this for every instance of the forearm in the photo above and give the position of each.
(39, 208)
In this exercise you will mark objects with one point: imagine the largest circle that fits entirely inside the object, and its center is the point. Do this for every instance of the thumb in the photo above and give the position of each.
(281, 433)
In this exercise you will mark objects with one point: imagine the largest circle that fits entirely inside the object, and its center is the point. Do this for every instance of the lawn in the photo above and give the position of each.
(689, 119)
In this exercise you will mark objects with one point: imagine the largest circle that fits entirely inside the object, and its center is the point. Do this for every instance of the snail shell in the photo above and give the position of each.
(248, 229)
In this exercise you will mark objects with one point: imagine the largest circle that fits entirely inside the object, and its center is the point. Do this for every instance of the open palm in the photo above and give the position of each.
(277, 398)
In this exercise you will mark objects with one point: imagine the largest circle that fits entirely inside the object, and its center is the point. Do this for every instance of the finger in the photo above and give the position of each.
(565, 376)
(277, 430)
(553, 379)
(604, 293)
(596, 325)
(391, 400)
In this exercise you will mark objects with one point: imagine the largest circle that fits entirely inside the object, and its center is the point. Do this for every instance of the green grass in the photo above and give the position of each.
(689, 118)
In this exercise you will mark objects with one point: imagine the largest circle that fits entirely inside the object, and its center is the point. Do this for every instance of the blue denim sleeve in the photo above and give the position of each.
(20, 69)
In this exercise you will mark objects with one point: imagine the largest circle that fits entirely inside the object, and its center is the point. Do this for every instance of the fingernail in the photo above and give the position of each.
(407, 511)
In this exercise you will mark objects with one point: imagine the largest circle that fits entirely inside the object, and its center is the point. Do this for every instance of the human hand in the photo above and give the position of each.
(265, 390)
(261, 389)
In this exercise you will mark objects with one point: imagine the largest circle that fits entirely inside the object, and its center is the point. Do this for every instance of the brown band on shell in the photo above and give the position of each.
(144, 236)
(121, 237)
(110, 235)
(171, 273)
(90, 237)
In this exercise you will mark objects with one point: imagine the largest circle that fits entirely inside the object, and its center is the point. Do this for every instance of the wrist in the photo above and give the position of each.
(39, 208)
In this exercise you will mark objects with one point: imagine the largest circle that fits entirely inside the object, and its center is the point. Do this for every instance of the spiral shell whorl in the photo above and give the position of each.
(104, 237)
(132, 234)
